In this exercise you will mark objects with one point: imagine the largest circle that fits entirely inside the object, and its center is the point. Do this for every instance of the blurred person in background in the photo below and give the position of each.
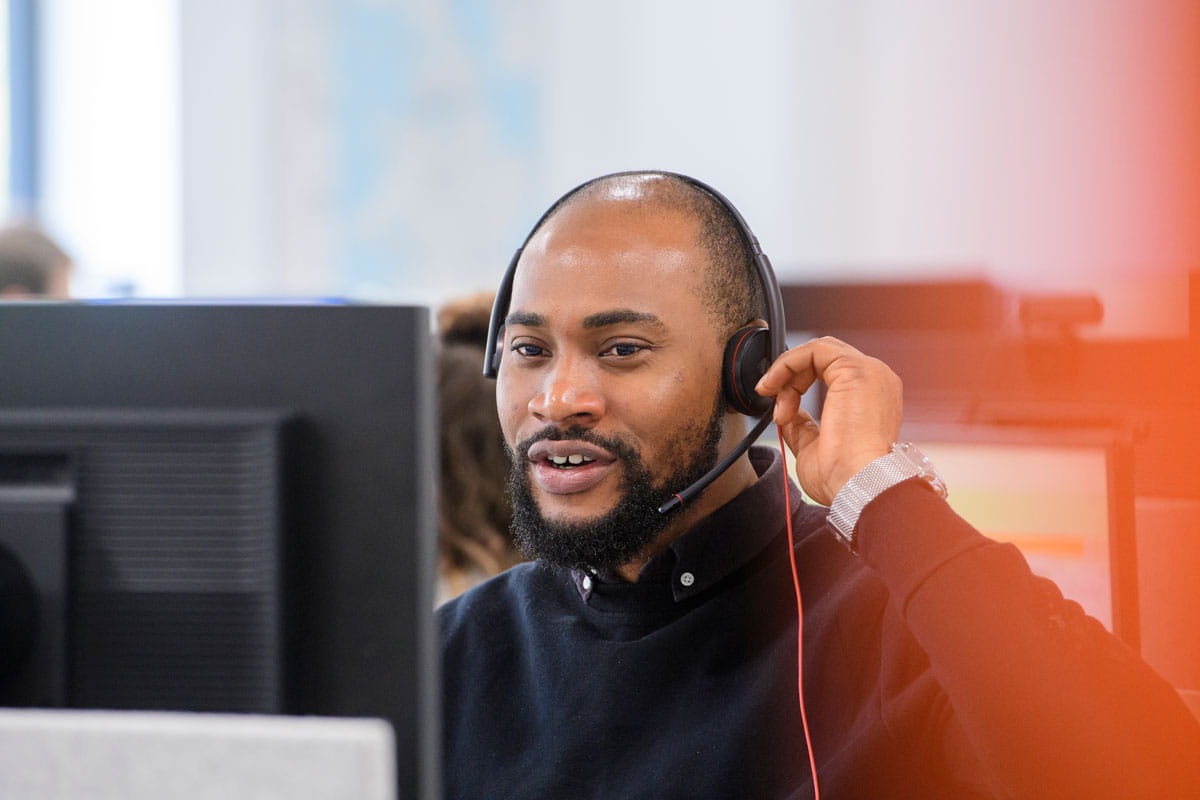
(474, 511)
(32, 265)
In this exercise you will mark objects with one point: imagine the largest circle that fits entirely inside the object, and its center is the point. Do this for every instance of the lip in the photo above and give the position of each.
(544, 449)
(555, 480)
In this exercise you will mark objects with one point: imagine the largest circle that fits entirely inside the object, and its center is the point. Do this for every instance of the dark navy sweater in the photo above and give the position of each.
(935, 666)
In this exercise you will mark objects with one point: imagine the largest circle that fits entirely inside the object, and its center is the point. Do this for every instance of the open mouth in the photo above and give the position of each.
(571, 461)
(568, 466)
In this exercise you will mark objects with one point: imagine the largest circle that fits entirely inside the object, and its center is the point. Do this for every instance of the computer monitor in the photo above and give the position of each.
(222, 508)
(1064, 497)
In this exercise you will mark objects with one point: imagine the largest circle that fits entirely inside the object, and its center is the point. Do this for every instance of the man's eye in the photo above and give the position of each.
(528, 350)
(624, 350)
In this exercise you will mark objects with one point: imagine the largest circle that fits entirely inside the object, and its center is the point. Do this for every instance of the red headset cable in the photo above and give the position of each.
(787, 503)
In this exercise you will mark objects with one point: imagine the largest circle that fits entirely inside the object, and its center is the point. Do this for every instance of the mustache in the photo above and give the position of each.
(613, 444)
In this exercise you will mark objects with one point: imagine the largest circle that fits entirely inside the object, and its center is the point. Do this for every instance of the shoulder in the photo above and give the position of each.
(505, 625)
(501, 602)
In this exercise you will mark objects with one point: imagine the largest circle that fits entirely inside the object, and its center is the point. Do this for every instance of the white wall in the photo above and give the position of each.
(234, 135)
(1045, 145)
(1051, 141)
(399, 149)
(376, 150)
(697, 87)
(110, 149)
(5, 116)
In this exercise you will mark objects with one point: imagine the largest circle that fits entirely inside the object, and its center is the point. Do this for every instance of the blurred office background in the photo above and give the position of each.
(1018, 181)
(399, 149)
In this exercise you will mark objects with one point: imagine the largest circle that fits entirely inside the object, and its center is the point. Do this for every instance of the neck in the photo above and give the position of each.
(732, 482)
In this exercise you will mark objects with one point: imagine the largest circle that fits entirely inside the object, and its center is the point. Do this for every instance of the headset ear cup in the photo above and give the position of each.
(747, 357)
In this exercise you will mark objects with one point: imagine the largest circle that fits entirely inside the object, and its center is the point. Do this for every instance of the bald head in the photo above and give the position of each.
(731, 290)
(32, 264)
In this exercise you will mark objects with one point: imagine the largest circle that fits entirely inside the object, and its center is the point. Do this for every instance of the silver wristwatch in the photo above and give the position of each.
(904, 462)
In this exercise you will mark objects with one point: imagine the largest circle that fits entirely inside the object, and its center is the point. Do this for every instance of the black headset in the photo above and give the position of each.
(748, 353)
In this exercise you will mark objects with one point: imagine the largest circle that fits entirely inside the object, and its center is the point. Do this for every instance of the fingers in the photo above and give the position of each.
(860, 417)
(801, 366)
(787, 405)
(800, 431)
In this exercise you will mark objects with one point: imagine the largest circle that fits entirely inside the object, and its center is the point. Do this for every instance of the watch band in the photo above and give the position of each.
(904, 462)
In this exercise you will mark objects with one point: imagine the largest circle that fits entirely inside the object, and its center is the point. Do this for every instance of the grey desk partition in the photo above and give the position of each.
(138, 755)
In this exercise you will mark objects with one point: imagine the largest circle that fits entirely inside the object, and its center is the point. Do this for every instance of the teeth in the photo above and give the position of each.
(574, 459)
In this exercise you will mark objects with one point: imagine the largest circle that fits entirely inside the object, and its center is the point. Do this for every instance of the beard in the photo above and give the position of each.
(633, 524)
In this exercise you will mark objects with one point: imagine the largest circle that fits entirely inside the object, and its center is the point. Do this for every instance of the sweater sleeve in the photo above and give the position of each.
(1049, 703)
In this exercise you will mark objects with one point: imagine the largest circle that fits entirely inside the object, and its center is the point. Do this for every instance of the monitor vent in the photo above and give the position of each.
(175, 554)
(177, 510)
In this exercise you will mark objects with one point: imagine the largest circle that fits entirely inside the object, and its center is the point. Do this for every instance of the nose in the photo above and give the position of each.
(569, 394)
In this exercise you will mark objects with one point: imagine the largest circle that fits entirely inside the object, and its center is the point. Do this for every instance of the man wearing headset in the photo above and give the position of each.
(654, 650)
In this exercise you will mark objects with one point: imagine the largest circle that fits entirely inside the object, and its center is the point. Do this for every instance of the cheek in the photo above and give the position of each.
(648, 405)
(680, 387)
(509, 408)
(669, 414)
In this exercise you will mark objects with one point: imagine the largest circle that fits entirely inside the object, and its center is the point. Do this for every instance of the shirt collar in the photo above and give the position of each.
(722, 542)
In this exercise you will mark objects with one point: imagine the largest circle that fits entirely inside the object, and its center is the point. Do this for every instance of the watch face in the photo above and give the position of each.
(924, 466)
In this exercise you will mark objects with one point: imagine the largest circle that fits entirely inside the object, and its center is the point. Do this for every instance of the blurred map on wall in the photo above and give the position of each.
(405, 119)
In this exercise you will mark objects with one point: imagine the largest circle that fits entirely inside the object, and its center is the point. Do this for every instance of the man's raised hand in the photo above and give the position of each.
(860, 418)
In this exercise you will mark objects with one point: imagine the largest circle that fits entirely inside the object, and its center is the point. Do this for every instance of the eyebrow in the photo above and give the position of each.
(526, 318)
(619, 316)
(600, 319)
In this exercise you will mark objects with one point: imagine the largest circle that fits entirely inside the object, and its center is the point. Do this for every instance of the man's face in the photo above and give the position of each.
(608, 387)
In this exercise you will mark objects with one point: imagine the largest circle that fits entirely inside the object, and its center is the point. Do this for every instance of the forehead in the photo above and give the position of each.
(610, 255)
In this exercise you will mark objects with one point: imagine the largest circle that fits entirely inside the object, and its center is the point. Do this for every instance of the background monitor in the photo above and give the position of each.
(1064, 497)
(221, 508)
